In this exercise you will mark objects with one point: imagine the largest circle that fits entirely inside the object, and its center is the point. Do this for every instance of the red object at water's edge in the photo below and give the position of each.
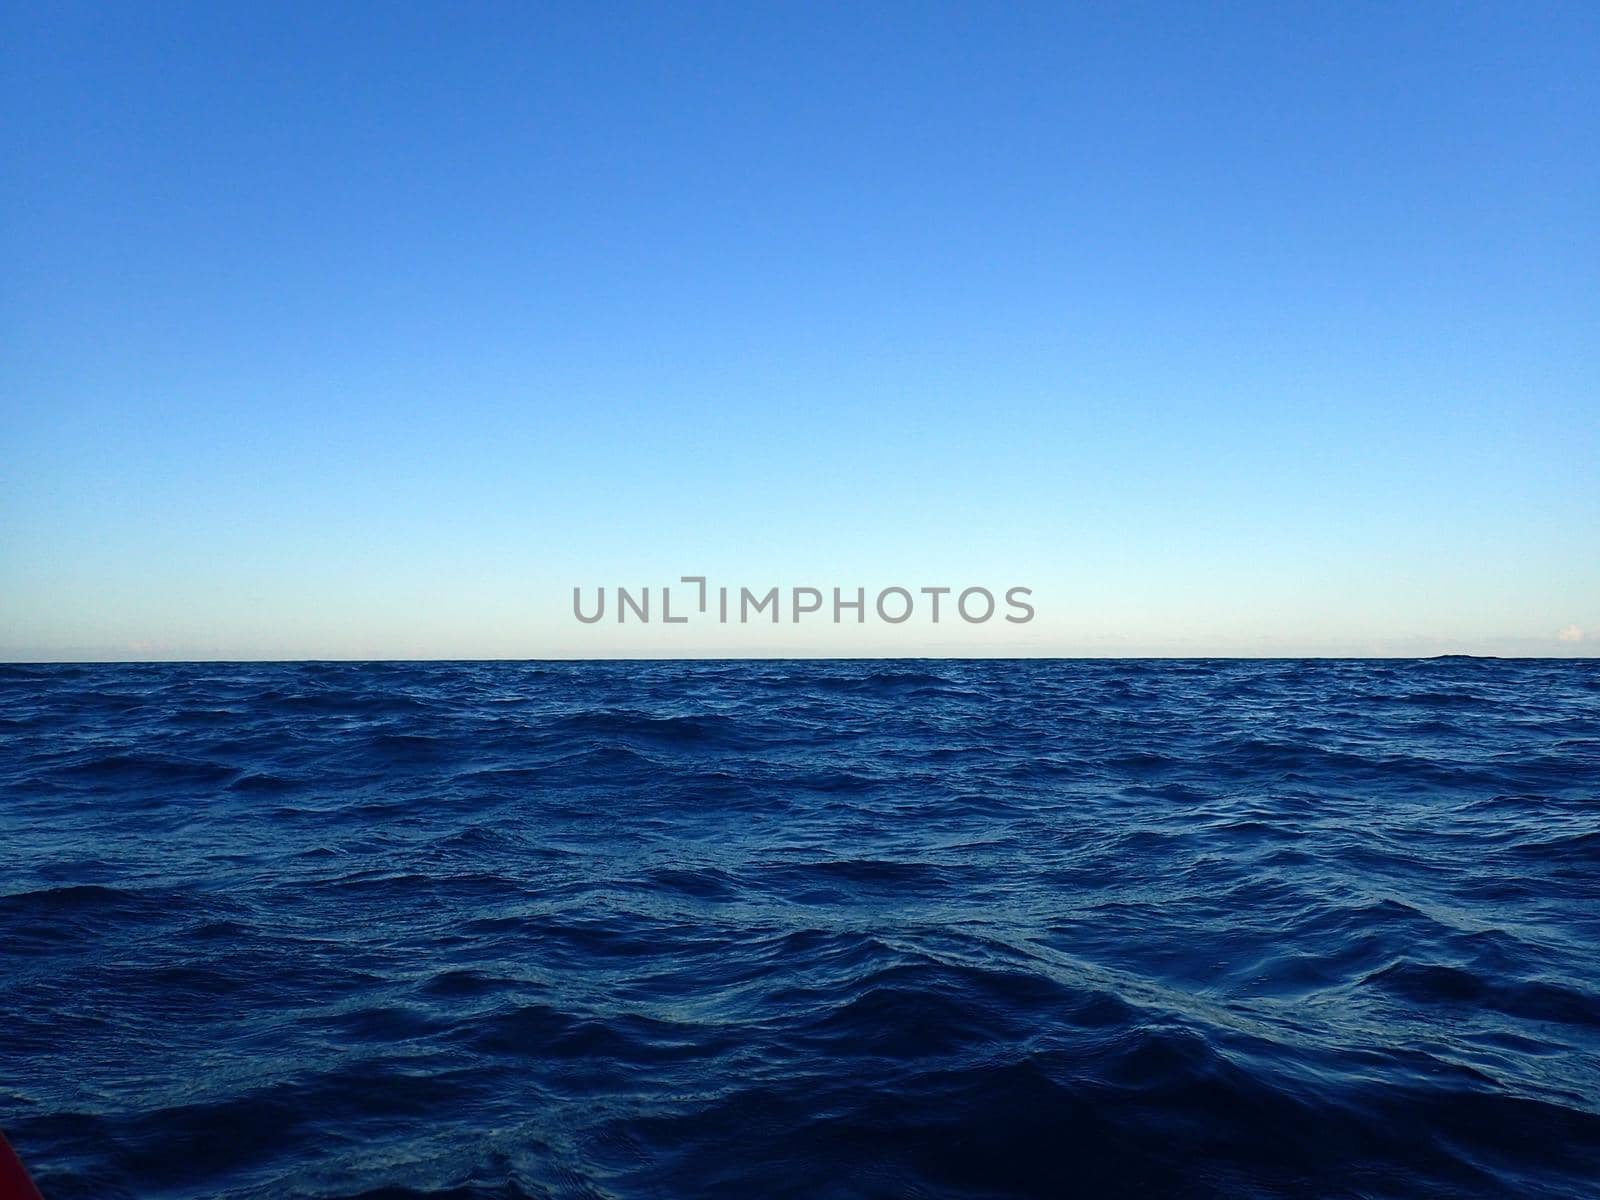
(14, 1181)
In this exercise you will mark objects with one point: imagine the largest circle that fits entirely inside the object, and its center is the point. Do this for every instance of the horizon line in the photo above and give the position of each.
(314, 661)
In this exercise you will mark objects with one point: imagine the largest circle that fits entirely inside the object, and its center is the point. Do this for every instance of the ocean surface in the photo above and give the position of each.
(802, 929)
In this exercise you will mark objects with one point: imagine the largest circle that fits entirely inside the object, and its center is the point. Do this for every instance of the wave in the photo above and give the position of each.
(790, 929)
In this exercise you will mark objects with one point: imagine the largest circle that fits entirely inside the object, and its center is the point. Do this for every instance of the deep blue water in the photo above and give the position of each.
(850, 929)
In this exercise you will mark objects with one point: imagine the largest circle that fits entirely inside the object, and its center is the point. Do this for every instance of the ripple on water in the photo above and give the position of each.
(796, 929)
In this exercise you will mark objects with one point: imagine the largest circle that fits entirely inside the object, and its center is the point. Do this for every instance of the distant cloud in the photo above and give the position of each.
(1570, 634)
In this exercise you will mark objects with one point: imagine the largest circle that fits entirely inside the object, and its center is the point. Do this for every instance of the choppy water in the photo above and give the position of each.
(841, 929)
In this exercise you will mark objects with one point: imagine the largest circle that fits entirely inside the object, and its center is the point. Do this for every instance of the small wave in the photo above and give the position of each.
(1528, 1000)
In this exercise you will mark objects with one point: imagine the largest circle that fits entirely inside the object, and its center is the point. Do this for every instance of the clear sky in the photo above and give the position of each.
(371, 331)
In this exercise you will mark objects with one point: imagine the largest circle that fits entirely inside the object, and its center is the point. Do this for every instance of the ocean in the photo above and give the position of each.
(802, 929)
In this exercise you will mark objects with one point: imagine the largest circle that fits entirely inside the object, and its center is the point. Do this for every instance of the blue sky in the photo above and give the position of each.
(1238, 329)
